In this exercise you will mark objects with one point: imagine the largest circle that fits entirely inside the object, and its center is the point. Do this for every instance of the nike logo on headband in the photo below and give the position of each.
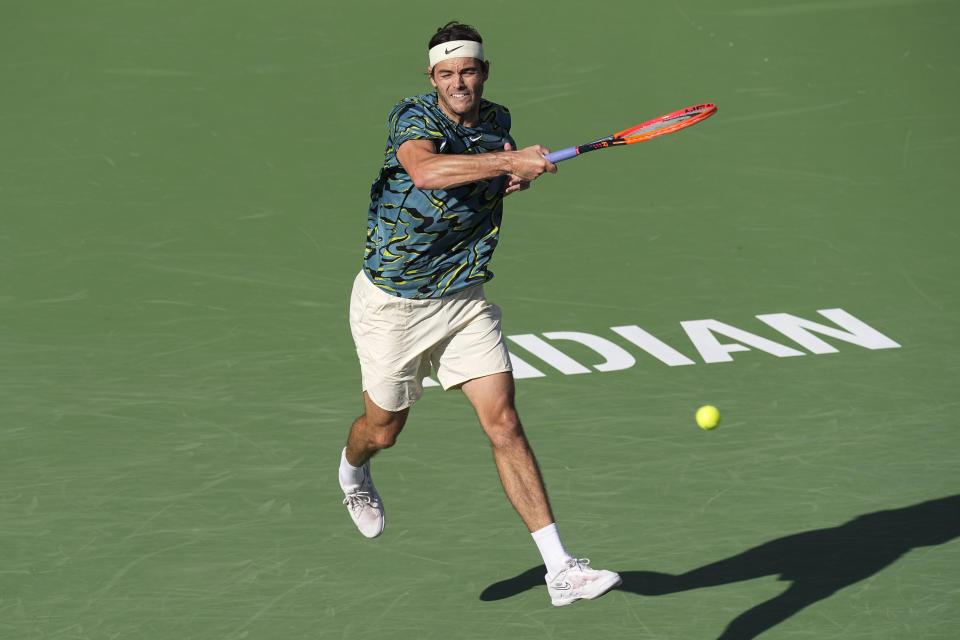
(447, 52)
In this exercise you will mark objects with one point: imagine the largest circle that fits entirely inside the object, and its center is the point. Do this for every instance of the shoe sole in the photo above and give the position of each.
(604, 588)
(371, 536)
(374, 533)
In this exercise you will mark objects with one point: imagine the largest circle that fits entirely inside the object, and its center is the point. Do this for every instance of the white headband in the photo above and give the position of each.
(456, 49)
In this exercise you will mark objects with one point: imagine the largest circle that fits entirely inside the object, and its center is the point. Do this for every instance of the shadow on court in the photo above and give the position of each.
(817, 563)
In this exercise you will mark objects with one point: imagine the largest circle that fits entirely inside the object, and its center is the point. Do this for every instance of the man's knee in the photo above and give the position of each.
(382, 430)
(504, 428)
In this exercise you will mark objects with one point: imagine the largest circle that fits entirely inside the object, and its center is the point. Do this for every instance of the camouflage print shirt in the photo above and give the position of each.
(424, 243)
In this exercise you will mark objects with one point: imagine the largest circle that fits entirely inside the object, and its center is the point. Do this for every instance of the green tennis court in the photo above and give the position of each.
(183, 193)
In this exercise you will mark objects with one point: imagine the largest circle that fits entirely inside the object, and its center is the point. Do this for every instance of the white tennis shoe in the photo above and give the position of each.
(365, 506)
(578, 581)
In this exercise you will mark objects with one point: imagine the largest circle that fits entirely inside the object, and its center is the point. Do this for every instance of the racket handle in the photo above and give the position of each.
(563, 154)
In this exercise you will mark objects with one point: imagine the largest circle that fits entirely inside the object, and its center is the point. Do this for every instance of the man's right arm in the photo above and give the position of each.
(431, 170)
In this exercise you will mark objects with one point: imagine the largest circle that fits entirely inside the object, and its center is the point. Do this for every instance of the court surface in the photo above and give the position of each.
(183, 191)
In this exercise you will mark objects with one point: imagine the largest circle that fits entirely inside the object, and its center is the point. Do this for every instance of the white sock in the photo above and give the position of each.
(350, 477)
(555, 556)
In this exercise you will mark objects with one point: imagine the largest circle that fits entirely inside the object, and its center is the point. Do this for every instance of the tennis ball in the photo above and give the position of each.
(708, 417)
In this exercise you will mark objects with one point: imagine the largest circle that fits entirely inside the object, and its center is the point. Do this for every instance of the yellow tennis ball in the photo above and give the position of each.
(708, 417)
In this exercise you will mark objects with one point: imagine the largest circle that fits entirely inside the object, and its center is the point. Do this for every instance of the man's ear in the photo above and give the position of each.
(486, 70)
(430, 75)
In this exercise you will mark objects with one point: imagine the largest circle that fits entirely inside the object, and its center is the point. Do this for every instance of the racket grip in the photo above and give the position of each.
(563, 154)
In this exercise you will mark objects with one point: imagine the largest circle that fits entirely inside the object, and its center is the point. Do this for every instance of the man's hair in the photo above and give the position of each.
(454, 31)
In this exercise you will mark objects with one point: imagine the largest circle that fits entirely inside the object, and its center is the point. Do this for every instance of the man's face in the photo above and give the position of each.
(459, 84)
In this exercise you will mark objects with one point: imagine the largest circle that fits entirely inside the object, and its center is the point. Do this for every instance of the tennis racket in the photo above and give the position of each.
(657, 127)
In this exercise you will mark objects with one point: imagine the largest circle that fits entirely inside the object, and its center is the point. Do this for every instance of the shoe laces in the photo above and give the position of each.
(359, 499)
(573, 564)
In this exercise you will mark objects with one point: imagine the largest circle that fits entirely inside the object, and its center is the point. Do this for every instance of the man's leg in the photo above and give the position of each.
(568, 579)
(376, 429)
(493, 399)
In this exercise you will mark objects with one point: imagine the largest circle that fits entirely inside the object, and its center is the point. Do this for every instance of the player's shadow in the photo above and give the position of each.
(817, 563)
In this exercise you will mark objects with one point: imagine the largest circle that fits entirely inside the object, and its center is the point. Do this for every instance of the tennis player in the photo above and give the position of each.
(432, 226)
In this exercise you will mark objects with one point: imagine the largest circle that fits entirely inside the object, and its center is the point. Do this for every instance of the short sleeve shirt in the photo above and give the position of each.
(424, 243)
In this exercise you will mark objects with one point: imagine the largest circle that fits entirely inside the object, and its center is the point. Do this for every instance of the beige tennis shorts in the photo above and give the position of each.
(398, 339)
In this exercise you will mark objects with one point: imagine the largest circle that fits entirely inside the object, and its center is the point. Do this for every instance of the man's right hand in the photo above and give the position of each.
(530, 163)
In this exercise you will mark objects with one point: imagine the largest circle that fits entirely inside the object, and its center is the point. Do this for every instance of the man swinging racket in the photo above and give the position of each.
(432, 227)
